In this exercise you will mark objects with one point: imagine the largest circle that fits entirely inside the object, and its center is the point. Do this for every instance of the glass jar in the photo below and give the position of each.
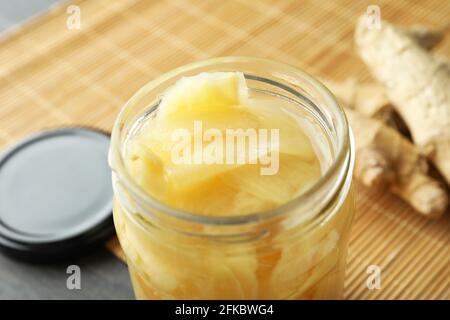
(295, 251)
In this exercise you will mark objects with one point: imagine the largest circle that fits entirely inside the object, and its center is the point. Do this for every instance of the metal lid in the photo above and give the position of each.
(55, 194)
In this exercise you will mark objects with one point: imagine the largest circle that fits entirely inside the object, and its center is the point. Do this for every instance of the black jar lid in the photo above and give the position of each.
(55, 194)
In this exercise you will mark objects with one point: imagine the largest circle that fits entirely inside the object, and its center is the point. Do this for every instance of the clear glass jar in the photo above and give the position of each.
(296, 251)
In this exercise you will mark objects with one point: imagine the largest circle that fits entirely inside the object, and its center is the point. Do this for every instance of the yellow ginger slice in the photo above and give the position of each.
(146, 168)
(305, 265)
(205, 91)
(276, 115)
(220, 102)
(293, 178)
(210, 273)
(210, 98)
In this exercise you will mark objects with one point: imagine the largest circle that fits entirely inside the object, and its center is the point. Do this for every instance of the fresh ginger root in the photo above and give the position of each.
(368, 99)
(425, 37)
(417, 84)
(385, 158)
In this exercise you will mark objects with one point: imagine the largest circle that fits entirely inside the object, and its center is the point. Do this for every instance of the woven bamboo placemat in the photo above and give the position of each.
(52, 76)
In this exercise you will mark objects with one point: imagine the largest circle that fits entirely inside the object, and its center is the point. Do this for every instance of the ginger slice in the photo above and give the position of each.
(214, 91)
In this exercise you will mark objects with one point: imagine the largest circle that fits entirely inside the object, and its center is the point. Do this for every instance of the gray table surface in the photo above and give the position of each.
(103, 276)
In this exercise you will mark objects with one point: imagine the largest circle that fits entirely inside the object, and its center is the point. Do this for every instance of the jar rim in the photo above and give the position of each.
(342, 165)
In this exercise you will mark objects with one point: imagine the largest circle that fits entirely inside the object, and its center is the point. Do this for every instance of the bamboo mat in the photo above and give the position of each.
(53, 76)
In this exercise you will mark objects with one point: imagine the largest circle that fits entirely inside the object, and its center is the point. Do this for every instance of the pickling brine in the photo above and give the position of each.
(225, 188)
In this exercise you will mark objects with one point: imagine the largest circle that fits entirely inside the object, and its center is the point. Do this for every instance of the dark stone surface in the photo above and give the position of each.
(103, 276)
